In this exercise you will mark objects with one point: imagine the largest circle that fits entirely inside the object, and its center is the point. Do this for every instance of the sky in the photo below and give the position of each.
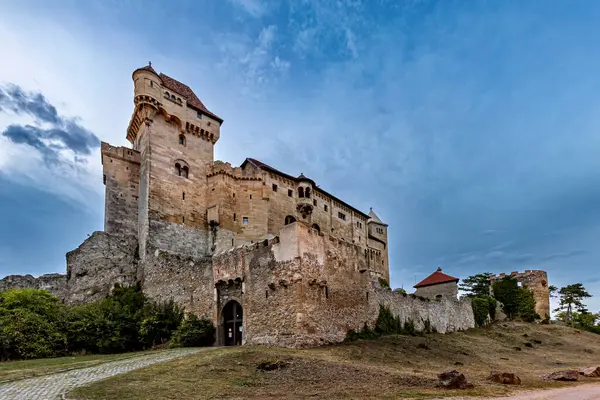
(471, 128)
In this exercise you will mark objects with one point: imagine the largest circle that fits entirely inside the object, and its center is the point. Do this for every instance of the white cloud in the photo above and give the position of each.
(255, 8)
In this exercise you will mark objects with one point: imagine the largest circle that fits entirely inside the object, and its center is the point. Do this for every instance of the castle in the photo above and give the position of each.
(271, 258)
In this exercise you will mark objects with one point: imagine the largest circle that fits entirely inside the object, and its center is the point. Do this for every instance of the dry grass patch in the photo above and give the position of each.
(392, 367)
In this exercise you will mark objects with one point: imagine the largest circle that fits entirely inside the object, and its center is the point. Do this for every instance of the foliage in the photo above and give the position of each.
(476, 285)
(517, 302)
(194, 332)
(384, 283)
(571, 299)
(584, 320)
(400, 291)
(34, 324)
(387, 324)
(483, 307)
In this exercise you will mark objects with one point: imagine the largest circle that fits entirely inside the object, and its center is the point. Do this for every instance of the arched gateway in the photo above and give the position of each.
(232, 323)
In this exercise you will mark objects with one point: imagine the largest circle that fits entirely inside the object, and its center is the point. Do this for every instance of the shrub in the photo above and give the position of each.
(384, 283)
(194, 332)
(160, 320)
(517, 302)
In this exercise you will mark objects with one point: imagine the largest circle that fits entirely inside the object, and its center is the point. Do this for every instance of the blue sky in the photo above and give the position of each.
(472, 128)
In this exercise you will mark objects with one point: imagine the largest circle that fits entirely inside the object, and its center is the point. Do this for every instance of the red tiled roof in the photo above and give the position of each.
(262, 165)
(185, 91)
(435, 279)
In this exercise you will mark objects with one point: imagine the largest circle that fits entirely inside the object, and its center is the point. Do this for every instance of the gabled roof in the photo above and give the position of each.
(266, 167)
(185, 91)
(436, 278)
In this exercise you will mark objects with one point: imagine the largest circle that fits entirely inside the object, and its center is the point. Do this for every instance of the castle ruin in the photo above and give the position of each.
(537, 282)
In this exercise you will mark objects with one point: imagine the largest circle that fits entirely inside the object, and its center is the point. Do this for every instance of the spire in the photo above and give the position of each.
(373, 217)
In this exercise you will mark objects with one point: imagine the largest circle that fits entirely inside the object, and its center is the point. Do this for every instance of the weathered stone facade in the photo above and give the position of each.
(302, 264)
(53, 283)
(537, 282)
(442, 290)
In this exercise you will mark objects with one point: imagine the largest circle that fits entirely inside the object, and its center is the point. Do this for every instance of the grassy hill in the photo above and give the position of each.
(391, 367)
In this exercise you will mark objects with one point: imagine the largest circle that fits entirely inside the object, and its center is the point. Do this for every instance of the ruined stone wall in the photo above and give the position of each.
(304, 289)
(446, 290)
(55, 284)
(188, 280)
(537, 282)
(100, 262)
(121, 174)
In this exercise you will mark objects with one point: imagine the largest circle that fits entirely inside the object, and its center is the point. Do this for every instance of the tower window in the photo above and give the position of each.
(289, 220)
(274, 187)
(183, 220)
(315, 202)
(167, 95)
(179, 100)
(182, 140)
(199, 115)
(307, 193)
(183, 196)
(151, 84)
(325, 207)
(245, 220)
(290, 192)
(182, 170)
(234, 216)
(104, 179)
(173, 97)
(301, 192)
(341, 216)
(250, 197)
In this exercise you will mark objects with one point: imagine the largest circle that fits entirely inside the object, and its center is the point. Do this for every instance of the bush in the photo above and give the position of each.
(384, 283)
(159, 322)
(194, 332)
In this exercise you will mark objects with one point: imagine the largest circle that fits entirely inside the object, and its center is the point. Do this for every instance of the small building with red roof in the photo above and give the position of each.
(438, 285)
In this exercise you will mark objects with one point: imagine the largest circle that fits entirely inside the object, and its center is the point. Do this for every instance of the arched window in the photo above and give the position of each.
(307, 193)
(173, 97)
(182, 169)
(315, 226)
(438, 297)
(182, 140)
(167, 95)
(289, 219)
(179, 100)
(300, 191)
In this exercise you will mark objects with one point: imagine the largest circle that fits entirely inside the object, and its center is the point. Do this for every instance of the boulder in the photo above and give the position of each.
(591, 372)
(454, 380)
(567, 375)
(506, 378)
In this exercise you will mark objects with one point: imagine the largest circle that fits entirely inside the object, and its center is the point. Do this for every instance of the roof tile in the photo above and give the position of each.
(435, 279)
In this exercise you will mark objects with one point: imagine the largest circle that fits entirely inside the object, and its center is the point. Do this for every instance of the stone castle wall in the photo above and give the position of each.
(537, 282)
(445, 290)
(56, 284)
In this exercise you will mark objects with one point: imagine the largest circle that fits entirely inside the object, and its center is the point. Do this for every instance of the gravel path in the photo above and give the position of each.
(581, 392)
(51, 387)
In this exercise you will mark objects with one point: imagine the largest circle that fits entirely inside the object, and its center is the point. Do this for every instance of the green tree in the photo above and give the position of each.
(477, 285)
(516, 301)
(194, 332)
(571, 299)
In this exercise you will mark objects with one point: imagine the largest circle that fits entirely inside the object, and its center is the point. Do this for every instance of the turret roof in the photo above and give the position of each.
(436, 278)
(374, 218)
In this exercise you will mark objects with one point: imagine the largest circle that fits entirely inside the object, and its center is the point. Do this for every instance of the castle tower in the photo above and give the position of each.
(175, 135)
(378, 240)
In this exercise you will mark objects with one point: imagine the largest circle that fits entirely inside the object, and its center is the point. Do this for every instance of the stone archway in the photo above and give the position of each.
(232, 323)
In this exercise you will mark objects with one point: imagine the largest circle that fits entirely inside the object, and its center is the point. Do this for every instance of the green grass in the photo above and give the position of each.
(28, 368)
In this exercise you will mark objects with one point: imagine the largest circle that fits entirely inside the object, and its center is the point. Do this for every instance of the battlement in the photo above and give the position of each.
(225, 168)
(120, 152)
(537, 281)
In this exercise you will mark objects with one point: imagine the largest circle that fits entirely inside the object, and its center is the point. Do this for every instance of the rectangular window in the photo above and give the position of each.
(250, 197)
(315, 202)
(234, 216)
(245, 220)
(341, 216)
(104, 179)
(274, 187)
(183, 220)
(290, 192)
(325, 207)
(199, 115)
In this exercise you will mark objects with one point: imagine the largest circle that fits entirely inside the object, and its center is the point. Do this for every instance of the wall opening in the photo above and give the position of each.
(315, 226)
(232, 323)
(289, 220)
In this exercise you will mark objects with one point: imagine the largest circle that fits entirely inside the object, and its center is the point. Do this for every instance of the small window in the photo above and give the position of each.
(315, 202)
(250, 197)
(290, 192)
(179, 100)
(245, 220)
(182, 140)
(234, 195)
(341, 216)
(151, 84)
(301, 192)
(167, 95)
(234, 216)
(274, 187)
(307, 193)
(289, 219)
(183, 196)
(326, 292)
(183, 220)
(199, 115)
(104, 179)
(325, 207)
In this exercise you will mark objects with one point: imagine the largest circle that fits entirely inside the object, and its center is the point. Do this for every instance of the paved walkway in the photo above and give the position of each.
(51, 387)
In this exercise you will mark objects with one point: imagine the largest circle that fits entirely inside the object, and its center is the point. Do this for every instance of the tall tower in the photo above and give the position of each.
(175, 135)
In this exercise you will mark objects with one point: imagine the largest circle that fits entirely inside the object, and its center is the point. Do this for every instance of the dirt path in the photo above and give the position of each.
(582, 392)
(54, 386)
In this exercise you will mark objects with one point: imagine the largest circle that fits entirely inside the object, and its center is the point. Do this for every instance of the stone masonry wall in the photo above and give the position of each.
(55, 284)
(446, 290)
(100, 262)
(305, 289)
(187, 280)
(537, 282)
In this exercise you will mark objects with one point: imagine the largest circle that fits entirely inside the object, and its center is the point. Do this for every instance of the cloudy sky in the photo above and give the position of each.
(472, 128)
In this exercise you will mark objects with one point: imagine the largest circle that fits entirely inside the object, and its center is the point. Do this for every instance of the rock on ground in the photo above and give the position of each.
(591, 372)
(454, 380)
(507, 378)
(567, 375)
